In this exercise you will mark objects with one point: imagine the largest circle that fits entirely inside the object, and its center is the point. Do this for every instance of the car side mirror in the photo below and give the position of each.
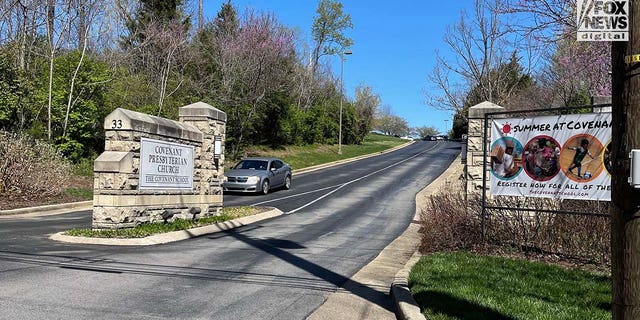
(273, 169)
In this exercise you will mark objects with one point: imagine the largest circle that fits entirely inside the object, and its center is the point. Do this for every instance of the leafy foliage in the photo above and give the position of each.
(246, 65)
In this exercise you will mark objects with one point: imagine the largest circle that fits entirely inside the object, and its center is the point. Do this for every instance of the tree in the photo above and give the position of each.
(391, 124)
(366, 106)
(78, 139)
(425, 131)
(481, 51)
(255, 63)
(577, 70)
(328, 29)
(157, 42)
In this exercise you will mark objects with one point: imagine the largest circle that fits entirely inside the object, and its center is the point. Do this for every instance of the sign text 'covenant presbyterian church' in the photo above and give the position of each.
(165, 165)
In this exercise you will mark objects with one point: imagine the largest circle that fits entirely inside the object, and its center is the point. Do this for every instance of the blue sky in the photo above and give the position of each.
(394, 47)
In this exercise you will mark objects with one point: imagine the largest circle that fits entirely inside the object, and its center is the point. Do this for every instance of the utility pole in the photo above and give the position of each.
(625, 206)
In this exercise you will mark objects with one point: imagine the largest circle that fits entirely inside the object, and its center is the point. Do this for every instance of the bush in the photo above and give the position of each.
(450, 222)
(448, 225)
(30, 167)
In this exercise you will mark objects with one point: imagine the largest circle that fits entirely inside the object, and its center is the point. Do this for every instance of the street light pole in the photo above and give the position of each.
(347, 52)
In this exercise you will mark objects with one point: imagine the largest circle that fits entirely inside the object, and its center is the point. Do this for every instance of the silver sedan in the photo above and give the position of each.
(258, 175)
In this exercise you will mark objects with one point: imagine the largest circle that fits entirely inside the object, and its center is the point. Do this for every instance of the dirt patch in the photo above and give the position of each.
(14, 201)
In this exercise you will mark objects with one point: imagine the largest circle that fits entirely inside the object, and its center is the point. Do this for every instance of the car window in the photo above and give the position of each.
(252, 164)
(278, 164)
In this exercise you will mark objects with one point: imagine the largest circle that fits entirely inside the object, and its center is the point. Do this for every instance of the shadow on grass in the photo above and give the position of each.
(445, 304)
(605, 306)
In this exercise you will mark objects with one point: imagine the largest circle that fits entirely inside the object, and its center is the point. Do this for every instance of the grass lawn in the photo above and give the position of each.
(467, 286)
(148, 229)
(306, 156)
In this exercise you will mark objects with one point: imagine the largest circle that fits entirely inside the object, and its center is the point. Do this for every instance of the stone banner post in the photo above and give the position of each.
(475, 138)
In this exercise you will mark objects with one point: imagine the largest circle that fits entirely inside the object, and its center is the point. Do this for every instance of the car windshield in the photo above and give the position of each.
(252, 164)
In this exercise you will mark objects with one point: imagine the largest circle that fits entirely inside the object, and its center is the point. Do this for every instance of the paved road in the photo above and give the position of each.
(338, 220)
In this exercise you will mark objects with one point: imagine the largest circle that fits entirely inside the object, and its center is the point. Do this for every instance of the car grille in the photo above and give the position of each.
(237, 179)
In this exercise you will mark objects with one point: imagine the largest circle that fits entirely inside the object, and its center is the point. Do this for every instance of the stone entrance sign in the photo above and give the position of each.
(156, 169)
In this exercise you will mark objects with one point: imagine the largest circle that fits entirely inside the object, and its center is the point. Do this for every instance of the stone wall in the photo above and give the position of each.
(474, 145)
(118, 200)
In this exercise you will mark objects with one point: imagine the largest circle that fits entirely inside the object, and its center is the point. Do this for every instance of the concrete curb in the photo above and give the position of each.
(339, 162)
(82, 205)
(406, 307)
(171, 236)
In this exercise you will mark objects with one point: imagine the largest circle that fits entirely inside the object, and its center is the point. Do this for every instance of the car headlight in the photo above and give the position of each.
(253, 179)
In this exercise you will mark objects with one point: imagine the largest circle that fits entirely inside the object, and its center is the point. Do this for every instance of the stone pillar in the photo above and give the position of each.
(474, 145)
(212, 123)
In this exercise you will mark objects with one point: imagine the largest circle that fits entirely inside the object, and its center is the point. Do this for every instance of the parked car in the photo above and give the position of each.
(258, 175)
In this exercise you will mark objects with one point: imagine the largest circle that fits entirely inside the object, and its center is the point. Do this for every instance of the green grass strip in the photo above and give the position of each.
(467, 286)
(148, 229)
(310, 155)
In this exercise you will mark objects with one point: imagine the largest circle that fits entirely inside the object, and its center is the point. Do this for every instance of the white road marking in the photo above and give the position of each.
(295, 195)
(358, 179)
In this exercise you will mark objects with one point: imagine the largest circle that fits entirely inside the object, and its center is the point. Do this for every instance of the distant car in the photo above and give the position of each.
(258, 175)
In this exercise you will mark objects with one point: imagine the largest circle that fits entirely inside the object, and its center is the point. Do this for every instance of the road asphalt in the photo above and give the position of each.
(366, 294)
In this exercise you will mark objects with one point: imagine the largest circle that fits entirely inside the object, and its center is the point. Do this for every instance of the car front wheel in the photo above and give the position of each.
(287, 182)
(265, 186)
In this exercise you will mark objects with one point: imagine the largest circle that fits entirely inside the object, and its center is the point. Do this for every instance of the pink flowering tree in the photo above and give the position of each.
(256, 62)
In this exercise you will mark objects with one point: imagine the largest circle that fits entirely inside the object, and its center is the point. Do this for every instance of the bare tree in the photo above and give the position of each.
(539, 18)
(480, 46)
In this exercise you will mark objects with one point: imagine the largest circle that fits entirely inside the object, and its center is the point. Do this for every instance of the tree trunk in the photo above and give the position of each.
(73, 80)
(200, 16)
(82, 24)
(51, 12)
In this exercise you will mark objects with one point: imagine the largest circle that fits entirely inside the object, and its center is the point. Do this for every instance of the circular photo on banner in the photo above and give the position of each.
(606, 158)
(541, 158)
(506, 158)
(581, 159)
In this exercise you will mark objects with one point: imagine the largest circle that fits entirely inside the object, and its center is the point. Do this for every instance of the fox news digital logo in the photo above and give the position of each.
(603, 20)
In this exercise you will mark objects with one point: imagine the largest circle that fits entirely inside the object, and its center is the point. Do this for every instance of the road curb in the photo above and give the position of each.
(81, 205)
(339, 162)
(171, 236)
(406, 307)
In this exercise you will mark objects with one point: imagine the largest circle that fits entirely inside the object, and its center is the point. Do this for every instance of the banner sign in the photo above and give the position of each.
(165, 165)
(563, 157)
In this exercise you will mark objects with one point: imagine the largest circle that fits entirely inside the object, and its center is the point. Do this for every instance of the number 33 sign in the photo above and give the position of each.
(116, 124)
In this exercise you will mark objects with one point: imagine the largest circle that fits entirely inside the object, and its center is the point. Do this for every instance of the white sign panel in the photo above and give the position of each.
(602, 20)
(563, 157)
(165, 165)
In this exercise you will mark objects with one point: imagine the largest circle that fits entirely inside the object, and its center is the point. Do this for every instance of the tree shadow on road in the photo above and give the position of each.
(380, 297)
